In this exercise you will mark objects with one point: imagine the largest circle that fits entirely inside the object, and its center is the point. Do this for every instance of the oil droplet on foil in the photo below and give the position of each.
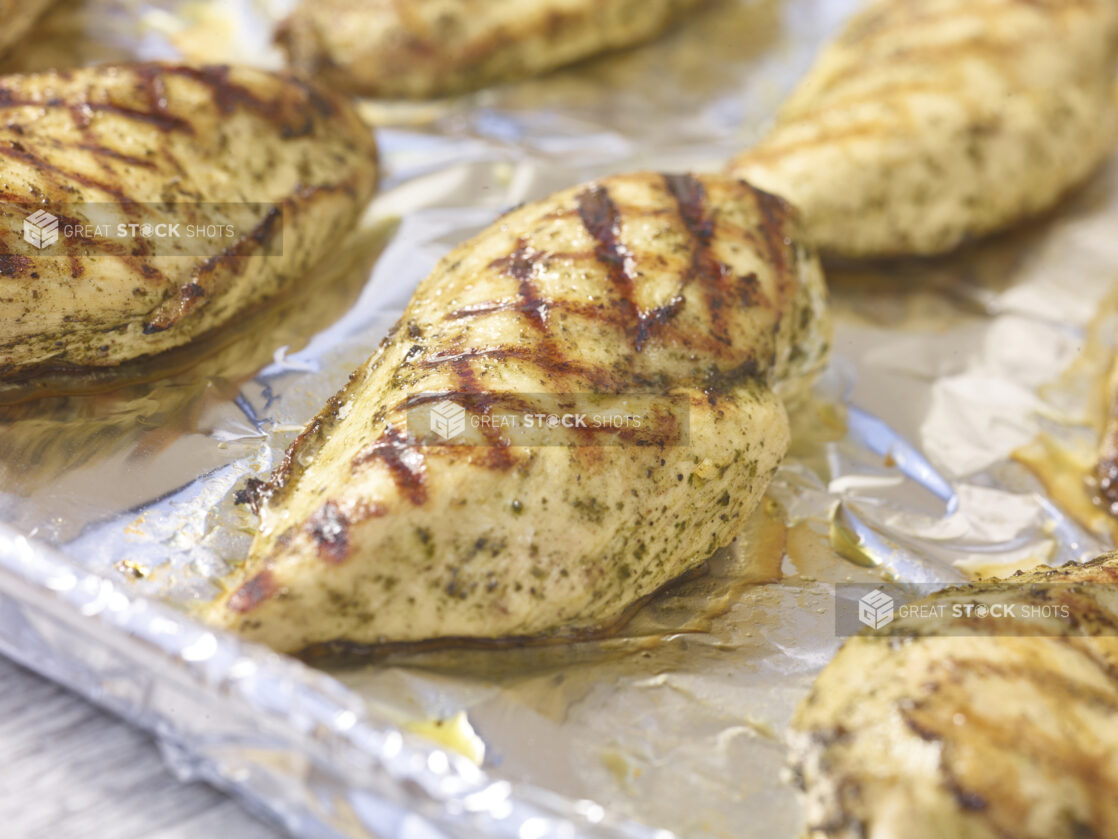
(1082, 402)
(847, 545)
(454, 733)
(1064, 474)
(622, 767)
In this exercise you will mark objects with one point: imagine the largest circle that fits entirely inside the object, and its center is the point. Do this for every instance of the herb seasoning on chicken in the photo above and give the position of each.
(693, 287)
(292, 165)
(996, 723)
(929, 123)
(430, 47)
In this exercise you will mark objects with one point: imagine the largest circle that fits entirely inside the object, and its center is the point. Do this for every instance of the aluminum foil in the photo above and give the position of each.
(118, 507)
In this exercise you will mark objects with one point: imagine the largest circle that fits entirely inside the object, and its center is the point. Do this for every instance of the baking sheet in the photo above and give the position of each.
(119, 510)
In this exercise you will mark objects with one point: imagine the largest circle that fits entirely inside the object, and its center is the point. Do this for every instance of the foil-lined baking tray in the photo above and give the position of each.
(119, 513)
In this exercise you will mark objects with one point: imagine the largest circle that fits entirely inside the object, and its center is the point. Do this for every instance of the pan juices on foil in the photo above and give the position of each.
(693, 293)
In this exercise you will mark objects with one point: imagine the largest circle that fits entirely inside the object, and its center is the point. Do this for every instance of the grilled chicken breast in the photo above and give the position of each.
(1005, 728)
(16, 19)
(422, 48)
(283, 166)
(928, 123)
(688, 288)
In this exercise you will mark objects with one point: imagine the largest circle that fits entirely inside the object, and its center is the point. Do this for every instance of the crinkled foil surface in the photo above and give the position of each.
(118, 509)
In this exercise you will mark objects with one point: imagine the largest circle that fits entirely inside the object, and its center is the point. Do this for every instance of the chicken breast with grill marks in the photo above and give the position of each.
(690, 290)
(16, 19)
(1004, 725)
(421, 48)
(929, 123)
(283, 166)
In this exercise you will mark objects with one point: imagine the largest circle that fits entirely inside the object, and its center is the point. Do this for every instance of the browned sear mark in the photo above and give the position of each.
(705, 269)
(405, 463)
(329, 528)
(253, 592)
(602, 221)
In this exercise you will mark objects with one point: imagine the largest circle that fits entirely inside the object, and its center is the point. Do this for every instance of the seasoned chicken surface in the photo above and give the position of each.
(421, 48)
(687, 288)
(282, 166)
(928, 123)
(1105, 479)
(995, 726)
(16, 19)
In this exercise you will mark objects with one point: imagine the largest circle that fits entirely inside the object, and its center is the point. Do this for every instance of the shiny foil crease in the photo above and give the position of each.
(119, 511)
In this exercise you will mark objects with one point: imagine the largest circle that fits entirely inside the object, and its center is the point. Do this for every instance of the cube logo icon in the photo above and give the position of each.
(875, 609)
(448, 419)
(40, 229)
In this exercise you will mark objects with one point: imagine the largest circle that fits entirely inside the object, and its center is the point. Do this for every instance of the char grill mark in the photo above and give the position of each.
(601, 218)
(162, 121)
(151, 80)
(405, 463)
(83, 119)
(498, 455)
(774, 214)
(290, 115)
(287, 112)
(690, 198)
(521, 266)
(59, 177)
(191, 293)
(477, 402)
(253, 592)
(490, 307)
(329, 528)
(749, 290)
(21, 153)
(545, 356)
(100, 151)
(602, 221)
(652, 320)
(657, 320)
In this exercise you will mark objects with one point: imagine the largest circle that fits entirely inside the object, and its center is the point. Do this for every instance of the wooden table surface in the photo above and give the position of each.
(71, 771)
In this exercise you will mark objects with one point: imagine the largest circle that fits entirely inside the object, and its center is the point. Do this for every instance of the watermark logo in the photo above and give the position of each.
(448, 419)
(875, 609)
(40, 229)
(234, 229)
(503, 419)
(924, 609)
